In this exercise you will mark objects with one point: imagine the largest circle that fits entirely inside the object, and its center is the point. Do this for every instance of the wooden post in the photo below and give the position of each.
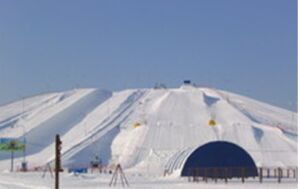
(189, 175)
(216, 174)
(205, 174)
(261, 174)
(194, 175)
(279, 175)
(229, 173)
(57, 160)
(243, 174)
(225, 175)
(294, 173)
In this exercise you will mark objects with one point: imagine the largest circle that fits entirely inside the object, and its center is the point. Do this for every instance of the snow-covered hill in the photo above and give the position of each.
(147, 130)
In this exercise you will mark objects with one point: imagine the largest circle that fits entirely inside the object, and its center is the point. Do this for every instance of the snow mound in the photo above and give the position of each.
(147, 130)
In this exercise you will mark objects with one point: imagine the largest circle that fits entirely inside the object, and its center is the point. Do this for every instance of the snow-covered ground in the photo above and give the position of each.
(93, 181)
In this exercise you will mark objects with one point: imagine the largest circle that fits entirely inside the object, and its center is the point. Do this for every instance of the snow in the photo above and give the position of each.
(93, 181)
(172, 124)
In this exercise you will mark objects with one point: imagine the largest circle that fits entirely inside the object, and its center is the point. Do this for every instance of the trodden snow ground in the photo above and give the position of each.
(93, 181)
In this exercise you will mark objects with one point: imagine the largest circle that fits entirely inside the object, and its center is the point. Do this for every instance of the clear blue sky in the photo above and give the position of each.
(248, 47)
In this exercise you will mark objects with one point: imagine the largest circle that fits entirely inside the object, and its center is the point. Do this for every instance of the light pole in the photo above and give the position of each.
(24, 163)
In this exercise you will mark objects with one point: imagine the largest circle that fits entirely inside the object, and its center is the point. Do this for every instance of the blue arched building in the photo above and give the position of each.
(219, 158)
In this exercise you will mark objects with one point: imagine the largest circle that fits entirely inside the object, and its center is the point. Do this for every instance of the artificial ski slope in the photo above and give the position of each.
(146, 130)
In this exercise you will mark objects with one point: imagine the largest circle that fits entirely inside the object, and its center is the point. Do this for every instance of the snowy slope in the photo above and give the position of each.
(147, 130)
(51, 114)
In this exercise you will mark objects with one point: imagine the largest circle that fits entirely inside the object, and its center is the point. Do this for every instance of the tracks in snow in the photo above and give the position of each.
(112, 121)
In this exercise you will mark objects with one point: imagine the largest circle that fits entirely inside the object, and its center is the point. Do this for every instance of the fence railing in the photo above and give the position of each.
(227, 173)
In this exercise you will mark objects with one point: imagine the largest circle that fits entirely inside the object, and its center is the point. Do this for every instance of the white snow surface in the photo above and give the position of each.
(146, 130)
(94, 181)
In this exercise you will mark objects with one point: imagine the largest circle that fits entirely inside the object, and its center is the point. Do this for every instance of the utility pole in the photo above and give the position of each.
(12, 147)
(57, 160)
(12, 161)
(24, 163)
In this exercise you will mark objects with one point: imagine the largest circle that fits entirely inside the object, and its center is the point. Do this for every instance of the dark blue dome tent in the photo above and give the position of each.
(214, 158)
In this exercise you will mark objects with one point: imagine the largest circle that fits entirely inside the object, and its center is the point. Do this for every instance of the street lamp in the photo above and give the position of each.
(23, 163)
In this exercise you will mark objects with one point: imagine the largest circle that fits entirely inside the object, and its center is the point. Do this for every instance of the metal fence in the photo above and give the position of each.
(259, 174)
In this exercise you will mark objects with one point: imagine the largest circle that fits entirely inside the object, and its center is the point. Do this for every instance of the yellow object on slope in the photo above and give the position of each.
(212, 122)
(136, 125)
